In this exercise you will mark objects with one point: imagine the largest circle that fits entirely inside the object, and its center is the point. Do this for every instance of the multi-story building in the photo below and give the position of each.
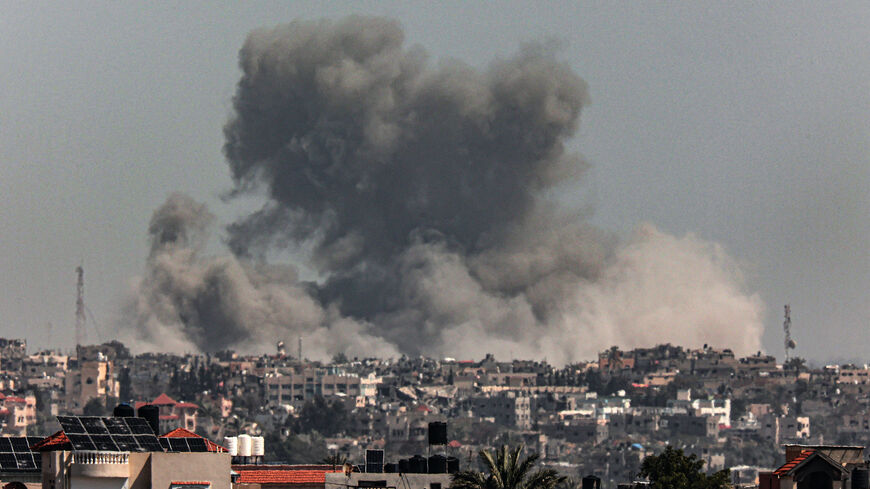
(505, 408)
(20, 412)
(296, 388)
(94, 379)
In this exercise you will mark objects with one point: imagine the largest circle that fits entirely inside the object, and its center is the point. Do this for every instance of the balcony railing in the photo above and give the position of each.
(101, 458)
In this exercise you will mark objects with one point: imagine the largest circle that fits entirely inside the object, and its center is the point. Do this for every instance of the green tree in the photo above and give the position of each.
(94, 407)
(125, 385)
(325, 417)
(339, 358)
(674, 470)
(334, 459)
(506, 470)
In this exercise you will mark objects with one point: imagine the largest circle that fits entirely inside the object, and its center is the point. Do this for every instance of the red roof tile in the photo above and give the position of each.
(57, 441)
(16, 400)
(785, 469)
(187, 405)
(163, 400)
(190, 483)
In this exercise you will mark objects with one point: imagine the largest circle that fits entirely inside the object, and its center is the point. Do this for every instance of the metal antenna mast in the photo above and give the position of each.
(80, 305)
(786, 326)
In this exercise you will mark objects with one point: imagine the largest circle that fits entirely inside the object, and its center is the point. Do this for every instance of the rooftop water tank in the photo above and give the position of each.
(258, 446)
(245, 446)
(232, 444)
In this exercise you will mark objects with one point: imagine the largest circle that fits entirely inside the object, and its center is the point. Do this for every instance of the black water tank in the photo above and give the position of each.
(591, 482)
(452, 465)
(418, 465)
(124, 410)
(151, 413)
(437, 433)
(374, 461)
(391, 468)
(437, 464)
(404, 466)
(860, 479)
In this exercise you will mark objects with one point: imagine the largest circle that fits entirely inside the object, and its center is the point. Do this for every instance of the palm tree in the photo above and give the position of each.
(334, 459)
(507, 471)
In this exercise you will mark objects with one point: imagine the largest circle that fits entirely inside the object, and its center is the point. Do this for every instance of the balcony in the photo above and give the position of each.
(100, 464)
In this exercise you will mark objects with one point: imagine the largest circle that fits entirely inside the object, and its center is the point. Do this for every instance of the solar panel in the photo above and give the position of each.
(81, 442)
(19, 444)
(178, 445)
(71, 425)
(139, 426)
(25, 461)
(117, 426)
(149, 443)
(104, 442)
(197, 445)
(126, 443)
(33, 440)
(164, 442)
(94, 425)
(8, 462)
(5, 444)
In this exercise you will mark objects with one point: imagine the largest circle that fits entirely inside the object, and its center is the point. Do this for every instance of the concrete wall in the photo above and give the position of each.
(212, 467)
(98, 483)
(400, 481)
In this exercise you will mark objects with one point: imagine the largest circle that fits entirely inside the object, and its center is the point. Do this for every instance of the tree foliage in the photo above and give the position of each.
(507, 470)
(325, 417)
(94, 407)
(675, 470)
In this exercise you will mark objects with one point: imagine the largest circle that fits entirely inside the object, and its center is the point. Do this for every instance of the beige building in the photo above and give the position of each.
(296, 388)
(93, 379)
(129, 459)
(17, 414)
(66, 469)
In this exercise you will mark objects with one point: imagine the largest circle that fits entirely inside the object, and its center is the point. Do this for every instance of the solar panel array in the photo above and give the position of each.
(109, 434)
(15, 454)
(184, 444)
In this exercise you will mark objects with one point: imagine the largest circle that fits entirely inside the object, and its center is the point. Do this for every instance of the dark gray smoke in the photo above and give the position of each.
(417, 190)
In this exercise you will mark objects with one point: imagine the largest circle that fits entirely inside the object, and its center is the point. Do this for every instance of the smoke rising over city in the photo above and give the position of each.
(419, 191)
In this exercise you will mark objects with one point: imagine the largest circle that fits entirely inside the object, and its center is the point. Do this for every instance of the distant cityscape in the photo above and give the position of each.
(600, 417)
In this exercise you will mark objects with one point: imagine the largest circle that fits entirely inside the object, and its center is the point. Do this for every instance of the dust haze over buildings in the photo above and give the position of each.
(419, 191)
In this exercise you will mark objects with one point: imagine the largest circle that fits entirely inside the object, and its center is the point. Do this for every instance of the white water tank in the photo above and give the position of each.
(232, 445)
(244, 445)
(258, 446)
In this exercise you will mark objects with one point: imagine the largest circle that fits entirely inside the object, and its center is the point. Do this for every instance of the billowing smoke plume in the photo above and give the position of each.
(418, 192)
(190, 302)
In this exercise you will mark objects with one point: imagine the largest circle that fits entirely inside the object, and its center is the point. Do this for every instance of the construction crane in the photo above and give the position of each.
(80, 305)
(786, 326)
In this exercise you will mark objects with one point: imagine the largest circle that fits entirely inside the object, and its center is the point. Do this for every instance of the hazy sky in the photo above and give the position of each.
(747, 125)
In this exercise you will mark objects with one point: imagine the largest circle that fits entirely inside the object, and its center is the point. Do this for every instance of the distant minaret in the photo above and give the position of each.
(300, 348)
(80, 305)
